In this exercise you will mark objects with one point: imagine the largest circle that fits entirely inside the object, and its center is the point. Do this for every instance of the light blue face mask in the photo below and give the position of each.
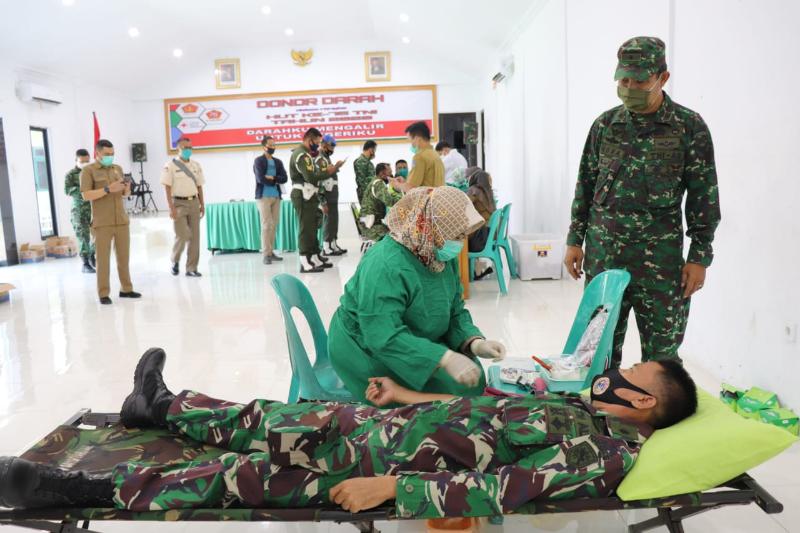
(186, 153)
(414, 149)
(107, 160)
(449, 251)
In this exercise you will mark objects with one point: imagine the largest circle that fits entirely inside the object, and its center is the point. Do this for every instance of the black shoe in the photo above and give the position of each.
(324, 261)
(276, 257)
(88, 269)
(308, 265)
(105, 300)
(267, 260)
(93, 261)
(130, 294)
(485, 273)
(194, 274)
(175, 269)
(149, 402)
(24, 485)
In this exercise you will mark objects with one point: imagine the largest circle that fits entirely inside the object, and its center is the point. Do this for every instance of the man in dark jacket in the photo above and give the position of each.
(270, 174)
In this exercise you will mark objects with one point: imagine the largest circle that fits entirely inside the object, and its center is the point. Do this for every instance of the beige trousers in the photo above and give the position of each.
(122, 243)
(269, 209)
(187, 232)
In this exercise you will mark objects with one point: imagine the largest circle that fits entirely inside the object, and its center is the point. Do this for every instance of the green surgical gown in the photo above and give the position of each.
(397, 319)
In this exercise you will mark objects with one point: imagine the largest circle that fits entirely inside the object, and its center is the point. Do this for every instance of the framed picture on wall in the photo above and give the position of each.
(378, 66)
(227, 73)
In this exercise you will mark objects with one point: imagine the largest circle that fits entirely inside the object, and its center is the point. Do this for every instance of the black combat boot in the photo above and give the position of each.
(24, 485)
(87, 266)
(149, 402)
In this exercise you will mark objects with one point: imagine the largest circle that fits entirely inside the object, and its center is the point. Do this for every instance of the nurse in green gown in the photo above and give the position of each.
(402, 314)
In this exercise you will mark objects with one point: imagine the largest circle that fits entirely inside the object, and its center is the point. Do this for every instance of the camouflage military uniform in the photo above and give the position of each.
(329, 198)
(303, 170)
(365, 173)
(81, 213)
(378, 197)
(634, 171)
(465, 457)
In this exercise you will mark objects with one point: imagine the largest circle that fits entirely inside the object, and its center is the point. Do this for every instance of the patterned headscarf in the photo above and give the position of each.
(426, 217)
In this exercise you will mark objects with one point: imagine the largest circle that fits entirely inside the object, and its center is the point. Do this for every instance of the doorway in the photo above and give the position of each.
(8, 250)
(456, 129)
(43, 180)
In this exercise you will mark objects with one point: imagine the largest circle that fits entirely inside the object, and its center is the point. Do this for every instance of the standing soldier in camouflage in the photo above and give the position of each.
(81, 210)
(306, 176)
(329, 193)
(639, 160)
(437, 455)
(365, 170)
(379, 197)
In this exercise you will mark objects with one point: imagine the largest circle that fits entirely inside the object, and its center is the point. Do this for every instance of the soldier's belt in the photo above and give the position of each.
(308, 189)
(329, 184)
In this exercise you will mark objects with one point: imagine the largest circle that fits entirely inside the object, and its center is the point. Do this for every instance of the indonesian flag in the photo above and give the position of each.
(96, 128)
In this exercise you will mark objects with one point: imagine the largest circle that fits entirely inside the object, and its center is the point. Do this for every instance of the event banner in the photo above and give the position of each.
(241, 121)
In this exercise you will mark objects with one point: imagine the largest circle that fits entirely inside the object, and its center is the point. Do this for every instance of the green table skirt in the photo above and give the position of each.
(237, 226)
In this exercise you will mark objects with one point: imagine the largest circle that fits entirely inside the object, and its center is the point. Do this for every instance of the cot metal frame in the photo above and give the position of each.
(743, 490)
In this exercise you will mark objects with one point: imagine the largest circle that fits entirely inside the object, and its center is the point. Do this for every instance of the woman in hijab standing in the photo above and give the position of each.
(402, 314)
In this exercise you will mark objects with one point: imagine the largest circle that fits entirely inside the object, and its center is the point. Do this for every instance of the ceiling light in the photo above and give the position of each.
(289, 32)
(177, 52)
(403, 17)
(266, 10)
(133, 32)
(406, 40)
(68, 2)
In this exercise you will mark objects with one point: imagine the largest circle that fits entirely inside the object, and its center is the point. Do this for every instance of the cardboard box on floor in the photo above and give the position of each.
(4, 290)
(31, 253)
(61, 247)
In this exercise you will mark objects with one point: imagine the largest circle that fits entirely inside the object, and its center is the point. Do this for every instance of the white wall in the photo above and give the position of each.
(753, 292)
(733, 63)
(69, 127)
(339, 65)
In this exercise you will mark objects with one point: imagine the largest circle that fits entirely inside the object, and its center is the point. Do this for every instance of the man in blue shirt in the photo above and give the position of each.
(270, 174)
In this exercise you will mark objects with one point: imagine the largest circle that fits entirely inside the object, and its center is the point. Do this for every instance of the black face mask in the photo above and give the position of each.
(604, 385)
(329, 152)
(270, 151)
(313, 147)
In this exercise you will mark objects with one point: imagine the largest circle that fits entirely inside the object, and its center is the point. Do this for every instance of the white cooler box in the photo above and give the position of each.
(538, 255)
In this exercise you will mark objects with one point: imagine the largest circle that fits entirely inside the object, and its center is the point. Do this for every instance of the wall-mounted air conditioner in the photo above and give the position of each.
(506, 70)
(29, 91)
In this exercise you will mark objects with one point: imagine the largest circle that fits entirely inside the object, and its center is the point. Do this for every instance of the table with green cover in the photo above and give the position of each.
(236, 226)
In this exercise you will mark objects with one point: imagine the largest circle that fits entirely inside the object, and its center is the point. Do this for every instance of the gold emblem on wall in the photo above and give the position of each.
(302, 58)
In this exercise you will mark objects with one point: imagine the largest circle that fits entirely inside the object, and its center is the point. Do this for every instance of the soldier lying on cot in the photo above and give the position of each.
(438, 455)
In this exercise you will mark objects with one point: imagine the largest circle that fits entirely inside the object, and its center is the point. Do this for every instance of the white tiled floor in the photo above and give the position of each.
(60, 351)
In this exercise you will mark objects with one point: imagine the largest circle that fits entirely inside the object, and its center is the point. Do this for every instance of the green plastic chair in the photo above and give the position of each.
(606, 289)
(309, 382)
(491, 251)
(502, 241)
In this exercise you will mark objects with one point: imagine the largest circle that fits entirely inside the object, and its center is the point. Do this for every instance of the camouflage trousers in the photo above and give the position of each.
(654, 294)
(331, 220)
(269, 464)
(82, 224)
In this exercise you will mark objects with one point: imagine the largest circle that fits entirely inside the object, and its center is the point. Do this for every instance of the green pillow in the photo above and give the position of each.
(710, 447)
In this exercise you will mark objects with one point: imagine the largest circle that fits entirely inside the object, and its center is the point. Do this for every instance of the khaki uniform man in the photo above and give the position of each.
(103, 184)
(428, 169)
(183, 181)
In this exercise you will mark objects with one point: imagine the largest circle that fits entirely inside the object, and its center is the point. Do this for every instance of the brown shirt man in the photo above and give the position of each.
(428, 169)
(108, 210)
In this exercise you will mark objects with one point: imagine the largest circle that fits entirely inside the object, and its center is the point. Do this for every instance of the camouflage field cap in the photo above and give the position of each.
(640, 57)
